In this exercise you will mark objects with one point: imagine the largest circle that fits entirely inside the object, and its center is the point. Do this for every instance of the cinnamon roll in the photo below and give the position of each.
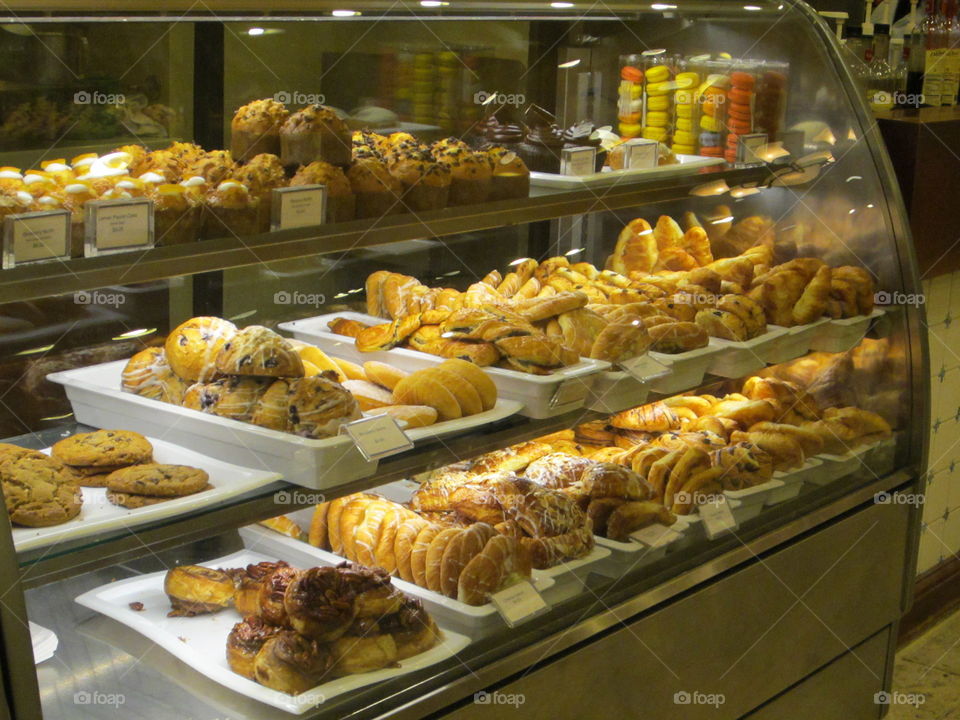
(247, 597)
(291, 663)
(319, 604)
(371, 587)
(194, 590)
(244, 642)
(412, 628)
(271, 594)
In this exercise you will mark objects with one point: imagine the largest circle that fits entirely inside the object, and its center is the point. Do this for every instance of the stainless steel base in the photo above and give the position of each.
(727, 649)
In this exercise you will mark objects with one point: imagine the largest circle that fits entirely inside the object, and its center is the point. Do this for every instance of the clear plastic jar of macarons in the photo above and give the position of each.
(659, 89)
(712, 108)
(630, 96)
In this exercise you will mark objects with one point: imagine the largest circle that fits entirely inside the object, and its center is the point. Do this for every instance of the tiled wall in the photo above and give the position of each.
(940, 537)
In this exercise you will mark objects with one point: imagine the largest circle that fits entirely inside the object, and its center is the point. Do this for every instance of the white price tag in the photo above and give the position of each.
(377, 437)
(643, 367)
(655, 535)
(717, 517)
(568, 392)
(749, 145)
(118, 225)
(578, 161)
(35, 237)
(299, 206)
(641, 154)
(518, 603)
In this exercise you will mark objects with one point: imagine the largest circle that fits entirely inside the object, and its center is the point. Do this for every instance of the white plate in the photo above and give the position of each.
(743, 358)
(44, 642)
(535, 392)
(97, 400)
(687, 164)
(201, 641)
(99, 515)
(503, 409)
(473, 620)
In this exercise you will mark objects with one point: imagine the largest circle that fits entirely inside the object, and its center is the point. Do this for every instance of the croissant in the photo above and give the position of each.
(784, 449)
(631, 516)
(655, 417)
(696, 242)
(780, 293)
(675, 258)
(620, 340)
(636, 249)
(813, 302)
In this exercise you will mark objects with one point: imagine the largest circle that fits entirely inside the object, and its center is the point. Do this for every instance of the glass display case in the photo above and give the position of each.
(596, 328)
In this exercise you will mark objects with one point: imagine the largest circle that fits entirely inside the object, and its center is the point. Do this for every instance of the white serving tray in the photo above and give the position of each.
(535, 392)
(99, 515)
(794, 343)
(842, 334)
(737, 359)
(201, 641)
(687, 164)
(752, 499)
(503, 409)
(686, 369)
(835, 466)
(472, 620)
(792, 481)
(97, 400)
(616, 390)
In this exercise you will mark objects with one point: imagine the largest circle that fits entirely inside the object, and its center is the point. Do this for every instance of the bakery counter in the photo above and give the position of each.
(29, 282)
(46, 554)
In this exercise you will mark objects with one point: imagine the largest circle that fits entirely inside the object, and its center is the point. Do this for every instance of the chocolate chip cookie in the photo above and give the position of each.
(104, 448)
(37, 493)
(158, 480)
(132, 501)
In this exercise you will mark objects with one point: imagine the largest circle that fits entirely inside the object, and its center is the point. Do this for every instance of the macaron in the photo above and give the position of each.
(657, 73)
(742, 80)
(687, 79)
(660, 88)
(712, 151)
(657, 119)
(684, 124)
(739, 112)
(684, 111)
(739, 95)
(730, 156)
(683, 149)
(739, 127)
(631, 74)
(655, 133)
(658, 102)
(629, 118)
(629, 130)
(733, 140)
(710, 124)
(682, 137)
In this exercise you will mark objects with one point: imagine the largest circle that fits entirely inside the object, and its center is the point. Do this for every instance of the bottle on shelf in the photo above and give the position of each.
(900, 60)
(855, 48)
(951, 61)
(925, 75)
(881, 84)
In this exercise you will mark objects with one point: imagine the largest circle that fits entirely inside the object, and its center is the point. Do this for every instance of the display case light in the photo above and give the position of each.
(569, 64)
(716, 187)
(514, 263)
(662, 6)
(345, 13)
(139, 332)
(433, 3)
(870, 205)
(752, 8)
(575, 251)
(561, 5)
(254, 31)
(34, 351)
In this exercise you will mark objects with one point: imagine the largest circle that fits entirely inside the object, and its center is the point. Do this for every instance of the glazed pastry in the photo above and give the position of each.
(272, 409)
(722, 324)
(244, 642)
(636, 249)
(500, 564)
(631, 516)
(318, 407)
(459, 552)
(273, 586)
(195, 590)
(290, 663)
(234, 397)
(363, 654)
(412, 629)
(656, 417)
(255, 129)
(315, 133)
(557, 470)
(143, 372)
(341, 202)
(260, 352)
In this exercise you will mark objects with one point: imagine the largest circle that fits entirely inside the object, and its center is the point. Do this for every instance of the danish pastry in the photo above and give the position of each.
(193, 346)
(258, 351)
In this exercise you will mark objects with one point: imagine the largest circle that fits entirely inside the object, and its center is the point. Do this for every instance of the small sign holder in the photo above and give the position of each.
(578, 161)
(298, 206)
(640, 154)
(569, 391)
(114, 226)
(518, 603)
(748, 145)
(655, 535)
(717, 517)
(377, 437)
(36, 237)
(643, 367)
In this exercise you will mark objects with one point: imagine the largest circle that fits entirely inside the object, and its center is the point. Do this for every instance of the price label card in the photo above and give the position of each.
(518, 603)
(378, 436)
(717, 517)
(578, 161)
(656, 535)
(640, 154)
(117, 226)
(749, 145)
(643, 367)
(300, 206)
(36, 237)
(569, 391)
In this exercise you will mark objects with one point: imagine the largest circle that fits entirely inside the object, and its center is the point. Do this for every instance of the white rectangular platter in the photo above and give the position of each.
(99, 515)
(201, 641)
(687, 164)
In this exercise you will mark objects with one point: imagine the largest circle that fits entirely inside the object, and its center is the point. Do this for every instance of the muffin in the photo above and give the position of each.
(341, 204)
(583, 135)
(136, 152)
(541, 148)
(510, 176)
(214, 166)
(39, 182)
(255, 129)
(230, 209)
(161, 162)
(448, 143)
(376, 190)
(176, 217)
(426, 183)
(11, 178)
(314, 133)
(75, 197)
(59, 170)
(192, 347)
(185, 152)
(262, 174)
(470, 174)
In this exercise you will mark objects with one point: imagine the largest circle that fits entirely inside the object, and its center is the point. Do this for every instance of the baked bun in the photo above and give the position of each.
(246, 598)
(557, 470)
(318, 407)
(412, 628)
(382, 374)
(260, 352)
(461, 549)
(245, 641)
(143, 371)
(497, 566)
(272, 592)
(291, 663)
(368, 394)
(194, 590)
(192, 348)
(318, 605)
(272, 409)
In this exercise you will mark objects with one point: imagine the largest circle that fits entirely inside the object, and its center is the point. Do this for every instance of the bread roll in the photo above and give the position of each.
(368, 395)
(382, 374)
